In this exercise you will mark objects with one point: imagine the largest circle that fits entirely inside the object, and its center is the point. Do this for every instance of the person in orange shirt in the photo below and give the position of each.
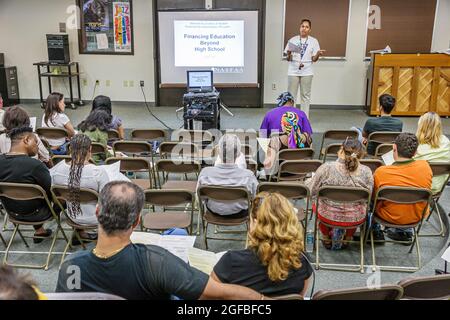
(405, 172)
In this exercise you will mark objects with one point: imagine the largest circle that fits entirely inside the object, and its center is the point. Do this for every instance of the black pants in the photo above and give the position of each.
(41, 214)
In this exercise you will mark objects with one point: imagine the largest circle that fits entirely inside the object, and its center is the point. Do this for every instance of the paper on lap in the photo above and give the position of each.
(264, 143)
(446, 255)
(388, 158)
(204, 260)
(33, 123)
(113, 172)
(177, 245)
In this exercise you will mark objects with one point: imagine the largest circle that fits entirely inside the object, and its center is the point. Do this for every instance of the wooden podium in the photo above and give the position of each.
(419, 82)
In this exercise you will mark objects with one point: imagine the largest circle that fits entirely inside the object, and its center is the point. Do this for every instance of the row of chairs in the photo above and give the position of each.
(417, 288)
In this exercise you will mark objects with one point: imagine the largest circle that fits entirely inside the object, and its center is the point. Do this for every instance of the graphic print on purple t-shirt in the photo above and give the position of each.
(272, 121)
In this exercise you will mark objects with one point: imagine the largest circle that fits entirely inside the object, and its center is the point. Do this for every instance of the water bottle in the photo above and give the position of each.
(309, 241)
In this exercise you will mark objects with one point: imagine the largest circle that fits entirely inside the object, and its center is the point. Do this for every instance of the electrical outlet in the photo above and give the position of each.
(142, 83)
(84, 82)
(125, 84)
(108, 83)
(97, 82)
(274, 86)
(131, 84)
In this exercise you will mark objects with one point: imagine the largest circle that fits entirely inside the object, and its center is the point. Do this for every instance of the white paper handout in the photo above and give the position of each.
(177, 245)
(446, 255)
(113, 172)
(102, 41)
(388, 158)
(203, 260)
(33, 123)
(293, 47)
(264, 144)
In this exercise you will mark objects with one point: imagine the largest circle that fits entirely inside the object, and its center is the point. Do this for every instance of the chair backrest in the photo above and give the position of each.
(297, 169)
(252, 165)
(383, 137)
(331, 150)
(132, 147)
(58, 158)
(383, 149)
(431, 287)
(177, 149)
(148, 134)
(113, 134)
(296, 154)
(403, 195)
(82, 296)
(288, 190)
(339, 135)
(131, 164)
(86, 195)
(384, 292)
(193, 136)
(440, 169)
(223, 193)
(288, 297)
(98, 148)
(22, 191)
(165, 198)
(344, 194)
(373, 164)
(185, 166)
(52, 133)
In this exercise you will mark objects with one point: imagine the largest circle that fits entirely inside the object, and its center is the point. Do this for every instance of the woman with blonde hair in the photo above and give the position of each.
(433, 145)
(273, 264)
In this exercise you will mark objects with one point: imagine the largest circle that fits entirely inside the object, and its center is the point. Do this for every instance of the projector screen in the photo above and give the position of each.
(225, 42)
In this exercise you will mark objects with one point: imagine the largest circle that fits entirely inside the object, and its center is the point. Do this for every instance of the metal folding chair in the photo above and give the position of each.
(342, 195)
(222, 194)
(401, 195)
(25, 192)
(373, 164)
(296, 170)
(335, 135)
(383, 292)
(430, 287)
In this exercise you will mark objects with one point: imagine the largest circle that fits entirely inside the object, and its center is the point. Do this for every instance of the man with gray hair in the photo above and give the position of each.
(228, 173)
(136, 271)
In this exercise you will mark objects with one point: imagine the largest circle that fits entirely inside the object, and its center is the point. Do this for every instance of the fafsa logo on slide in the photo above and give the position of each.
(209, 43)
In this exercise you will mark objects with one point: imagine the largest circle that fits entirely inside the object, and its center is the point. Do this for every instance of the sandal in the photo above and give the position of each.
(42, 236)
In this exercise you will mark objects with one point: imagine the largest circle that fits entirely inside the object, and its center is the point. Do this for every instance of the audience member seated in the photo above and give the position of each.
(137, 271)
(273, 120)
(405, 172)
(79, 173)
(17, 166)
(104, 103)
(2, 112)
(96, 128)
(228, 173)
(17, 117)
(273, 263)
(14, 286)
(54, 117)
(433, 145)
(383, 123)
(346, 171)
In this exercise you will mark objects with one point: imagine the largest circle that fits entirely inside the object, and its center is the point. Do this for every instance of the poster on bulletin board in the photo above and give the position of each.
(106, 27)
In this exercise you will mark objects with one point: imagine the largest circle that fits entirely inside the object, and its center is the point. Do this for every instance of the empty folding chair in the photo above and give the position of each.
(381, 137)
(136, 166)
(26, 192)
(335, 135)
(401, 195)
(331, 151)
(383, 292)
(296, 154)
(296, 170)
(383, 149)
(373, 164)
(342, 196)
(430, 287)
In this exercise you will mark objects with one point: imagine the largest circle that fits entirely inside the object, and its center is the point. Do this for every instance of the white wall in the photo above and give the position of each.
(24, 23)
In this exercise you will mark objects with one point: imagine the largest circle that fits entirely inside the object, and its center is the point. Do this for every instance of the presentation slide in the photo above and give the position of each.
(225, 42)
(209, 43)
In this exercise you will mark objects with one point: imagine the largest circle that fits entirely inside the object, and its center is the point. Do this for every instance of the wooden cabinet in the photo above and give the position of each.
(419, 82)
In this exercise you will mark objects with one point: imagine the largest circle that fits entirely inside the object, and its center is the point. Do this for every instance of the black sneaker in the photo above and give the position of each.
(399, 236)
(43, 236)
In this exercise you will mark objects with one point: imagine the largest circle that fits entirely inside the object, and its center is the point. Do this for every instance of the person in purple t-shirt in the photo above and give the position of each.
(291, 124)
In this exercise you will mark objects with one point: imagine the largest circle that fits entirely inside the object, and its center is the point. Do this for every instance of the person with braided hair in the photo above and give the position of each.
(293, 127)
(80, 173)
(346, 171)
